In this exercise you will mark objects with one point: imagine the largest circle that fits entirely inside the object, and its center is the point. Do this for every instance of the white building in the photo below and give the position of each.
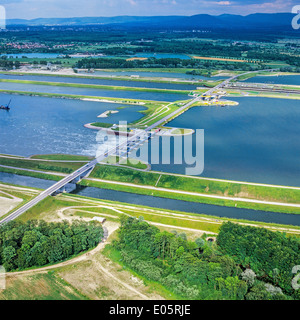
(99, 219)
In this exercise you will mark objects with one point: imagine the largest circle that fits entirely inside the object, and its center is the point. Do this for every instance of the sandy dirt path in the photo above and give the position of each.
(89, 256)
(8, 202)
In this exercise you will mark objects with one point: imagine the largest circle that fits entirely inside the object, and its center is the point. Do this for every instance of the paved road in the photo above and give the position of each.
(262, 89)
(89, 166)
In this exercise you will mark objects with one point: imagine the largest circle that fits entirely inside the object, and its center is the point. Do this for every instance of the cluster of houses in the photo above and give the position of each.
(26, 45)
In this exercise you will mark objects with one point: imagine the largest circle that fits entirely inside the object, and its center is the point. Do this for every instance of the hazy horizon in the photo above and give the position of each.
(126, 15)
(34, 9)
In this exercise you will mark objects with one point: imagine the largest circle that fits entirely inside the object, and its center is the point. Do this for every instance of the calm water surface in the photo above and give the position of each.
(257, 141)
(292, 79)
(109, 82)
(95, 92)
(156, 202)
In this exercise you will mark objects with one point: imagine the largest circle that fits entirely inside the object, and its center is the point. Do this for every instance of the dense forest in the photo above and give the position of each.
(37, 243)
(184, 47)
(229, 269)
(271, 255)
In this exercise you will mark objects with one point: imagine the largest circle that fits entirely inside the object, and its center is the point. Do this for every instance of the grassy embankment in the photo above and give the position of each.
(251, 75)
(266, 94)
(84, 207)
(125, 162)
(115, 78)
(274, 95)
(287, 87)
(101, 125)
(81, 97)
(170, 70)
(150, 106)
(61, 157)
(130, 180)
(94, 86)
(153, 112)
(64, 283)
(164, 70)
(68, 278)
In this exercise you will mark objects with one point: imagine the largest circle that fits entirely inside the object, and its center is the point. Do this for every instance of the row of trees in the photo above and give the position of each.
(106, 63)
(191, 47)
(37, 243)
(191, 269)
(9, 64)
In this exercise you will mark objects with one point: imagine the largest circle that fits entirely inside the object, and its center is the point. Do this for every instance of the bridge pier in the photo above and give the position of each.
(68, 188)
(71, 186)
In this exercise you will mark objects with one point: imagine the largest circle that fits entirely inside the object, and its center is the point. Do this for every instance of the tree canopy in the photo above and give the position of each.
(200, 269)
(37, 243)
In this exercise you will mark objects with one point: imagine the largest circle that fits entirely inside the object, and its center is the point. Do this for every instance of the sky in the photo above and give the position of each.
(30, 9)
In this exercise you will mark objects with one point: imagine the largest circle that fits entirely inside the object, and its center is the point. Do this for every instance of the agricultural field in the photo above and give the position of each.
(84, 99)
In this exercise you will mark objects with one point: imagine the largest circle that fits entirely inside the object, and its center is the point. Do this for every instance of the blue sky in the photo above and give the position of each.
(29, 9)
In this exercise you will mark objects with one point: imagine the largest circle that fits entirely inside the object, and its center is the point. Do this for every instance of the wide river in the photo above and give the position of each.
(36, 125)
(256, 141)
(106, 82)
(156, 96)
(291, 79)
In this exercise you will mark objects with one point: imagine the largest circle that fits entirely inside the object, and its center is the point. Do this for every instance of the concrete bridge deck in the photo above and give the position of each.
(77, 175)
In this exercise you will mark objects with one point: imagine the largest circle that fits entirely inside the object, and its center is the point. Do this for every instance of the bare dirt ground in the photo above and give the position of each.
(92, 274)
(95, 276)
(64, 71)
(100, 278)
(7, 203)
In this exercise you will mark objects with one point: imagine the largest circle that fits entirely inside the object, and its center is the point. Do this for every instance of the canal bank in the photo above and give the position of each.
(163, 203)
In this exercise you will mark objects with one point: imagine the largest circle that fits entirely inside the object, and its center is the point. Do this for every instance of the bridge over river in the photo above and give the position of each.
(134, 141)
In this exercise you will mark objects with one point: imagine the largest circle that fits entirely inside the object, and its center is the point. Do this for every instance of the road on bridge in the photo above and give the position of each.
(89, 166)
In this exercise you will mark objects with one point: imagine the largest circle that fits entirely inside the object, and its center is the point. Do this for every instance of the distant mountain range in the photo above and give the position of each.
(226, 21)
